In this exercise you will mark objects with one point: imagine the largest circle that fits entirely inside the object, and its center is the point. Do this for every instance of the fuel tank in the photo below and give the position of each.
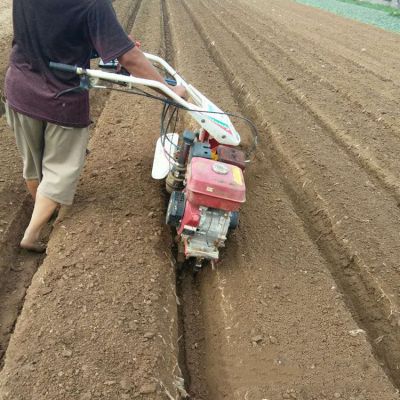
(215, 184)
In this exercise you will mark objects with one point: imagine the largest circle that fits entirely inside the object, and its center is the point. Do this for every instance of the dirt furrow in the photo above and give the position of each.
(18, 267)
(168, 51)
(334, 32)
(103, 302)
(15, 207)
(373, 96)
(356, 132)
(288, 28)
(13, 200)
(342, 234)
(312, 41)
(262, 324)
(305, 303)
(356, 238)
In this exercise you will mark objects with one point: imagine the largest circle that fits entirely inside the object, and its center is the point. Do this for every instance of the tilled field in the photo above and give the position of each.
(304, 305)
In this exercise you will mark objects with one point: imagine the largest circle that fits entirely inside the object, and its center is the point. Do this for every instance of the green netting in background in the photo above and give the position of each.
(364, 13)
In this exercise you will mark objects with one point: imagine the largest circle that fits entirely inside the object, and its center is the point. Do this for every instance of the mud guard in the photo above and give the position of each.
(161, 163)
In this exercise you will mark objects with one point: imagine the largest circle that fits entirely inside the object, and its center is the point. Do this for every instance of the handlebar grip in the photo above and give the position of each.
(63, 67)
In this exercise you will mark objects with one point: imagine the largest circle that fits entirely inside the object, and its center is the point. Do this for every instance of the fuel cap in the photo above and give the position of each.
(220, 168)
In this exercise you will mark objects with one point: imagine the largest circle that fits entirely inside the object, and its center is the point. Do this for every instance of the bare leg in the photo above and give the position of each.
(32, 185)
(43, 210)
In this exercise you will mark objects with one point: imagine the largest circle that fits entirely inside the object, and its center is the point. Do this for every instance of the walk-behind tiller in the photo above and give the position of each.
(203, 170)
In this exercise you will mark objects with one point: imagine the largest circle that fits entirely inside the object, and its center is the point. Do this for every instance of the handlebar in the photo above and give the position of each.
(63, 67)
(200, 109)
(131, 80)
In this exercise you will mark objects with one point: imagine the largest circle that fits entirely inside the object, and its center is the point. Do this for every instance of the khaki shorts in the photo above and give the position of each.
(52, 154)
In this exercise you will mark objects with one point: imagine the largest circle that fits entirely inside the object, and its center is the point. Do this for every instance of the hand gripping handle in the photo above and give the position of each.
(63, 67)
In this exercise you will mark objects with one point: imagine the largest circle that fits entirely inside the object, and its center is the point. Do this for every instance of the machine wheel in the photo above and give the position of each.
(234, 223)
(176, 209)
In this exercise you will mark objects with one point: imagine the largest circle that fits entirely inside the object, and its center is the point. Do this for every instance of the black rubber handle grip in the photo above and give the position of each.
(63, 67)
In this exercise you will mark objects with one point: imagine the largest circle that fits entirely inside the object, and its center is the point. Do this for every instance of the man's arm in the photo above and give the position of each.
(136, 63)
(110, 41)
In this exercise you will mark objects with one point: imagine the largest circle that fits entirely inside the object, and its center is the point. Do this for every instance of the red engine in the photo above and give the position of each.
(207, 207)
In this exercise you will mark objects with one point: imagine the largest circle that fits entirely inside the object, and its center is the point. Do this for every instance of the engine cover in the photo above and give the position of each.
(215, 184)
(210, 234)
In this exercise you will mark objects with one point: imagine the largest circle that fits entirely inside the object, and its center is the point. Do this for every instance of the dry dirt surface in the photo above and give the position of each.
(305, 303)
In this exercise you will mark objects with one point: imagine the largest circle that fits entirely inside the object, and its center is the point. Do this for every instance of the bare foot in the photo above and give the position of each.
(37, 247)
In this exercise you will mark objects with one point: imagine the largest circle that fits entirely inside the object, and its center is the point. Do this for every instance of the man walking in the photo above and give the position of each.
(52, 132)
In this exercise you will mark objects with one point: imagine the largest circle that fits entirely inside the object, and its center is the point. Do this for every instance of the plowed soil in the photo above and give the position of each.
(305, 302)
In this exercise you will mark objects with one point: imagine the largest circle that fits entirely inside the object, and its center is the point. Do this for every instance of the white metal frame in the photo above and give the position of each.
(203, 111)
